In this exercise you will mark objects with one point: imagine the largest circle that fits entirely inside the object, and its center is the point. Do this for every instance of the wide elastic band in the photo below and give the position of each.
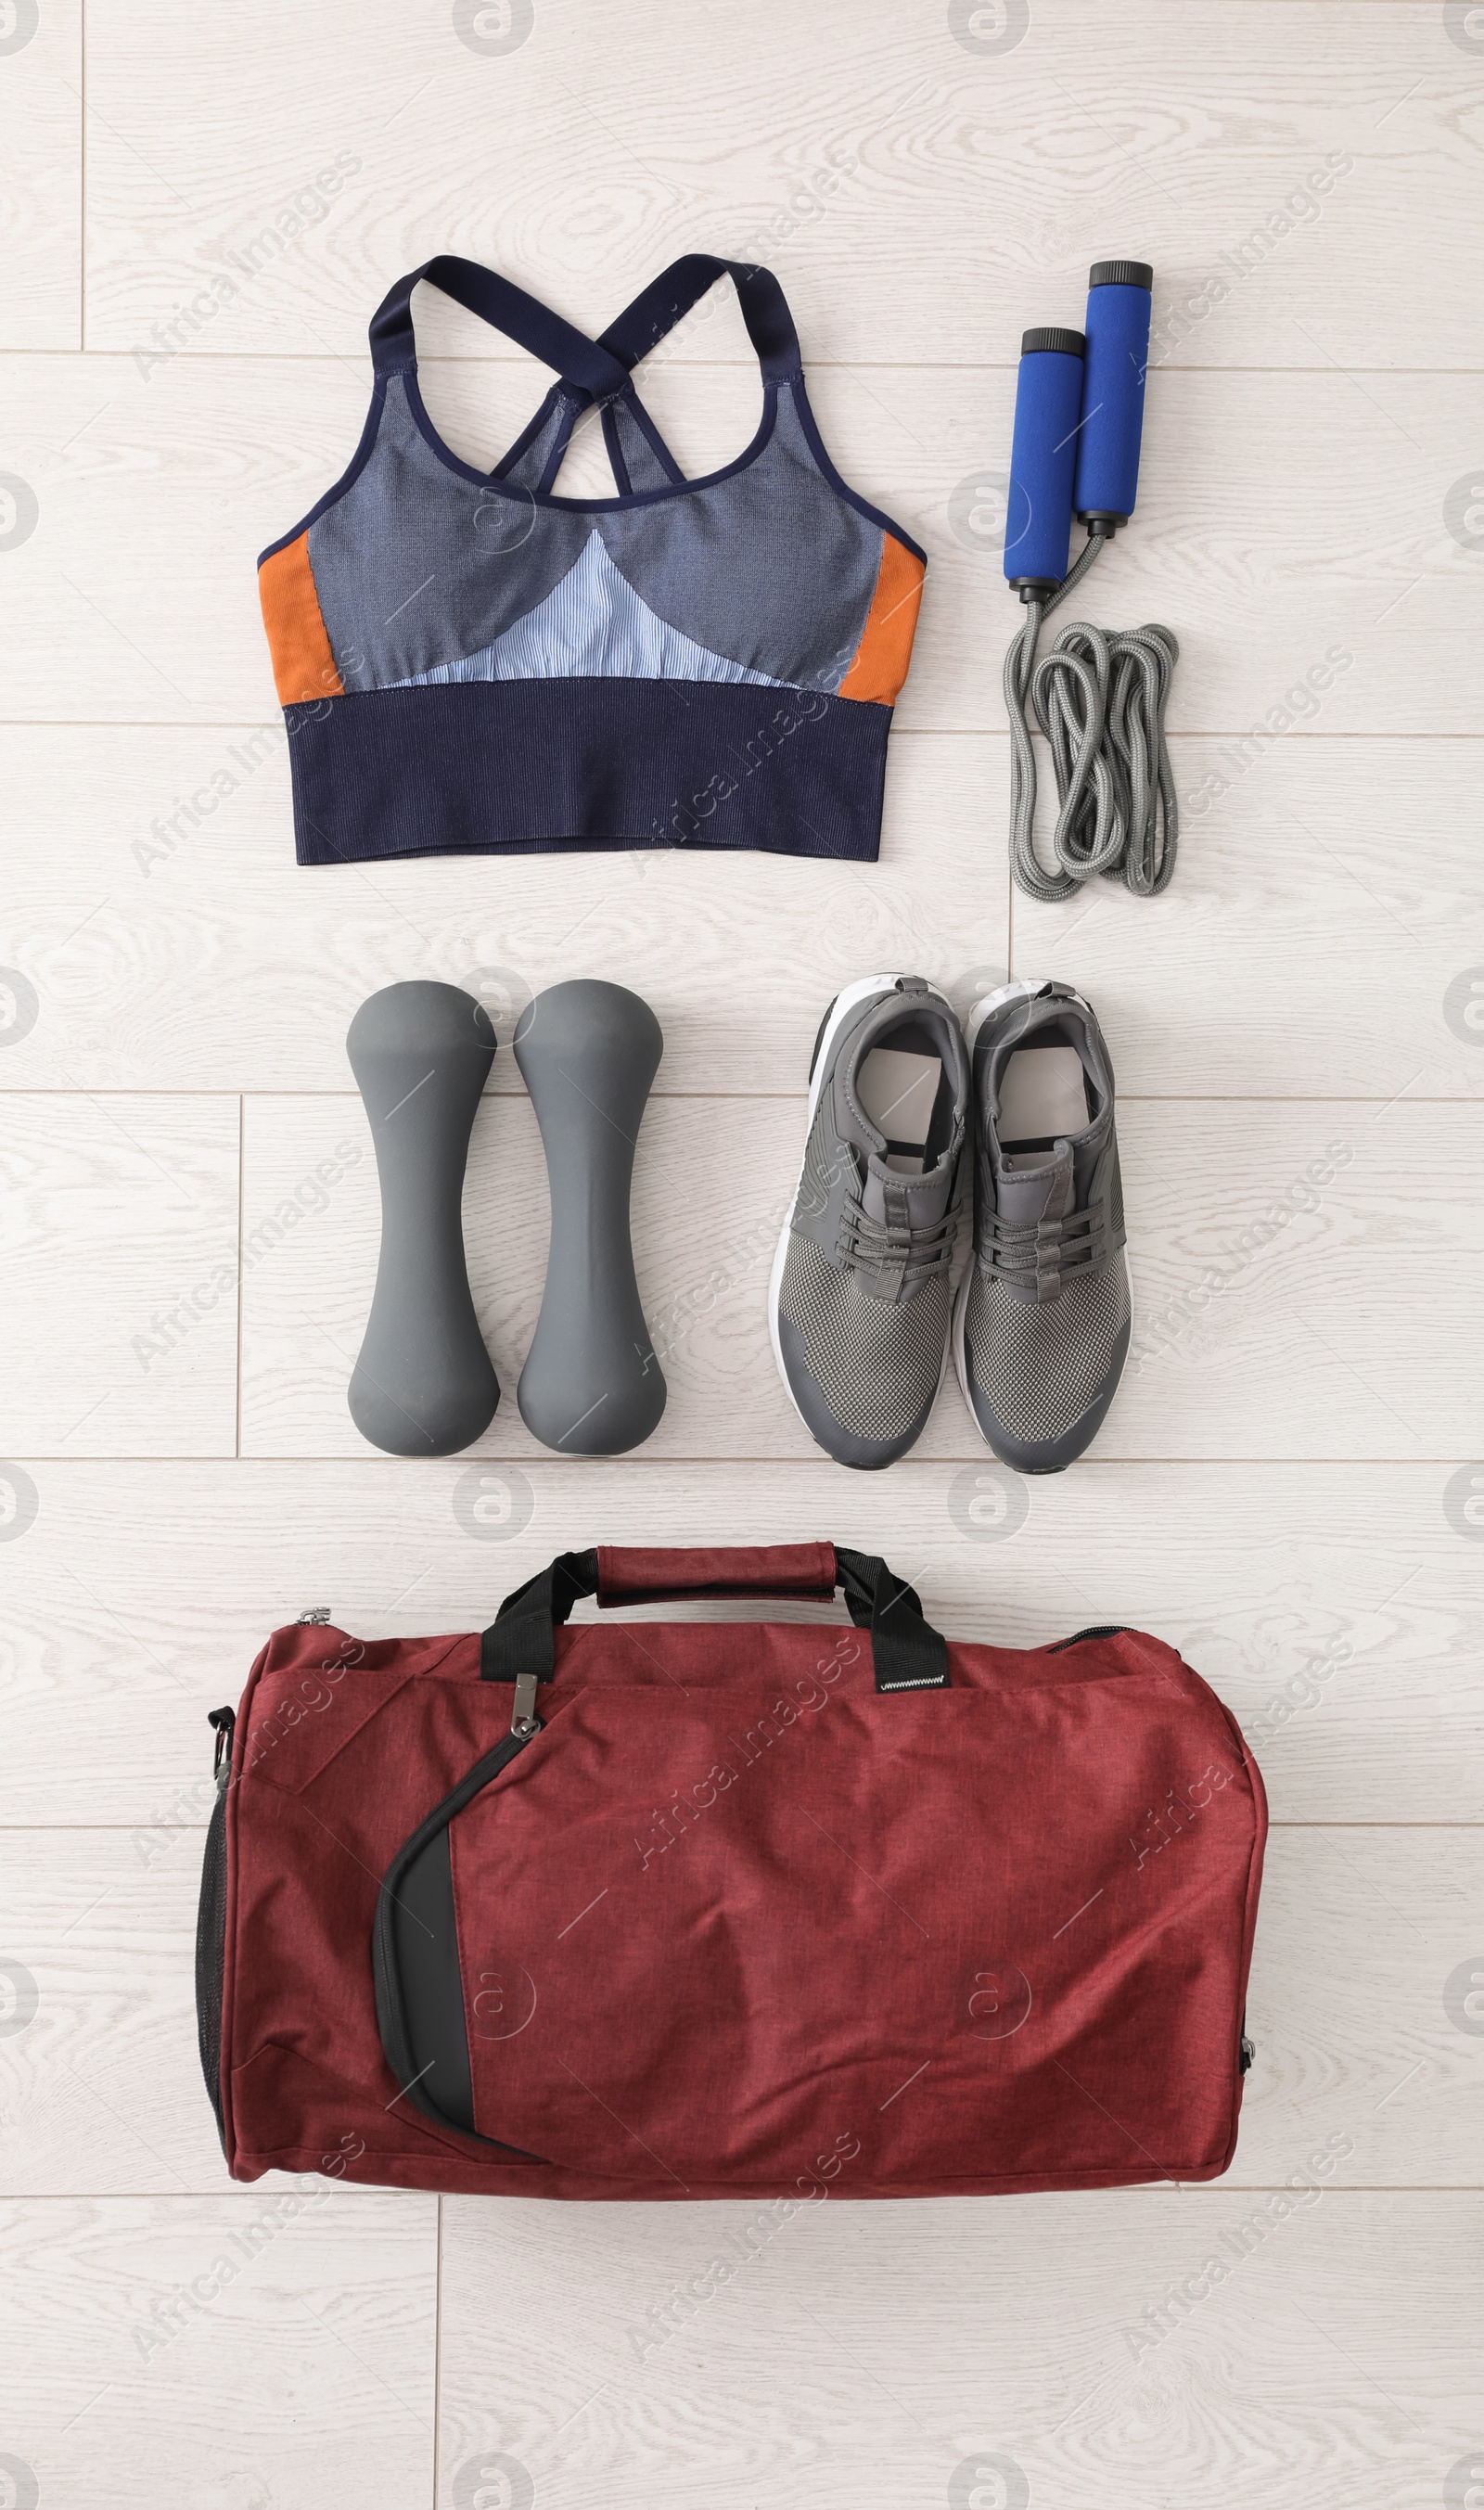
(586, 766)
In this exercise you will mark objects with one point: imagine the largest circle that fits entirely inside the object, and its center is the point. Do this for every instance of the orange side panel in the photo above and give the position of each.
(880, 663)
(303, 665)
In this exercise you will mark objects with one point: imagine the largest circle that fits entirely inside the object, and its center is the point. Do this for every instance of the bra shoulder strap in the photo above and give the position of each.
(523, 319)
(661, 304)
(591, 370)
(535, 458)
(638, 453)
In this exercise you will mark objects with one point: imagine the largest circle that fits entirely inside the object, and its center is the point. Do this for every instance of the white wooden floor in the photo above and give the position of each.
(1283, 1486)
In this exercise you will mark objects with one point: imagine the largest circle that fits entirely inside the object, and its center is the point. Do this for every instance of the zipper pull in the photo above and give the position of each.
(224, 1720)
(1248, 2052)
(524, 1721)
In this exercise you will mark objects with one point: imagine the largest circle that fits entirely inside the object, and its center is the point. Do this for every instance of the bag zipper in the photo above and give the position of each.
(391, 2016)
(212, 1920)
(224, 1722)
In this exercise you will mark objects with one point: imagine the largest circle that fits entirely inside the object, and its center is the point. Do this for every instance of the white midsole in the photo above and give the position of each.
(843, 1004)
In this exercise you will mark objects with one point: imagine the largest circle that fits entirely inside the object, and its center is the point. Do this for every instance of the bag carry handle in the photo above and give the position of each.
(907, 1653)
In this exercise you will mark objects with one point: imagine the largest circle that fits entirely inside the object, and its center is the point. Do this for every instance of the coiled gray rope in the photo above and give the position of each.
(1099, 697)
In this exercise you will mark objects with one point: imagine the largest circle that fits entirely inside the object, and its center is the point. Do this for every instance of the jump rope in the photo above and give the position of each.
(1098, 696)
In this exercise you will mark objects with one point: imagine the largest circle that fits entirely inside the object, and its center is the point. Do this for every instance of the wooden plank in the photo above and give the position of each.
(1275, 1250)
(1272, 1314)
(113, 1209)
(1247, 148)
(1303, 176)
(201, 957)
(1334, 1607)
(1316, 938)
(176, 945)
(140, 588)
(276, 2344)
(993, 2354)
(104, 2092)
(41, 148)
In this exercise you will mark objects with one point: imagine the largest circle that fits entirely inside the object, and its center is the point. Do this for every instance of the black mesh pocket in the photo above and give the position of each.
(212, 1928)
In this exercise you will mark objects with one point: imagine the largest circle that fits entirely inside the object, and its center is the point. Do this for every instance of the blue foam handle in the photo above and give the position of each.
(1037, 530)
(1112, 402)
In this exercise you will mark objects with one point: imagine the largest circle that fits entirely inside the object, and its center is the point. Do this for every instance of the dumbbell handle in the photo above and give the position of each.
(424, 1384)
(592, 1384)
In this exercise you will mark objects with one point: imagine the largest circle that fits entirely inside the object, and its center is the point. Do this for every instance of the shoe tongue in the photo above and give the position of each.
(889, 1196)
(905, 1201)
(1080, 1152)
(1046, 1193)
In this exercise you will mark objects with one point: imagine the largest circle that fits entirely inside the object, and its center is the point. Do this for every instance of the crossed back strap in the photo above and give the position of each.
(591, 371)
(907, 1653)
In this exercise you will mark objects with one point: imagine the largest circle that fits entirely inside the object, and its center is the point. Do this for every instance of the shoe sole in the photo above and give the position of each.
(976, 1018)
(844, 1003)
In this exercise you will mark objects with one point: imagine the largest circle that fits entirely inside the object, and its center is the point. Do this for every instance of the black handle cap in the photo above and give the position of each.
(1122, 274)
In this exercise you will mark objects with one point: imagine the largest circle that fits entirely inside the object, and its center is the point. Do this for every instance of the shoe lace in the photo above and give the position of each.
(881, 1247)
(1046, 1253)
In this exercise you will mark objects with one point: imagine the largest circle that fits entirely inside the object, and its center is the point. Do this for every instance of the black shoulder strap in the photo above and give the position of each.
(523, 318)
(591, 370)
(659, 307)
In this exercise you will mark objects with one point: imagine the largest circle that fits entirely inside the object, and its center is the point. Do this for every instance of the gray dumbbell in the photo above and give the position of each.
(424, 1384)
(591, 1384)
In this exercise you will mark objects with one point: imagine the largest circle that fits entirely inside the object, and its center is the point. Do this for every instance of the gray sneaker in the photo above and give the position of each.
(859, 1302)
(1041, 1327)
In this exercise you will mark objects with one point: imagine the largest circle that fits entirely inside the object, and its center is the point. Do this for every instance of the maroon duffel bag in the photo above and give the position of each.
(672, 1909)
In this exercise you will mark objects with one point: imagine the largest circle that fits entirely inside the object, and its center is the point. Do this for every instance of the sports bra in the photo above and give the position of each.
(472, 663)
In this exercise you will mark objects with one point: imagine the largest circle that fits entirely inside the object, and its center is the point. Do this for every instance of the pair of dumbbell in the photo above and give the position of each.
(424, 1384)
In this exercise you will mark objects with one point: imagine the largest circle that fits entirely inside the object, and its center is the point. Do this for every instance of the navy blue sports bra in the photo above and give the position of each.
(472, 663)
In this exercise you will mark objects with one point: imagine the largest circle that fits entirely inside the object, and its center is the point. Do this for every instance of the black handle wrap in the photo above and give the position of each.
(907, 1653)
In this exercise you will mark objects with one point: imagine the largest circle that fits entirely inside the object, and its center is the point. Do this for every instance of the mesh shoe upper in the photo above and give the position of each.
(1042, 1368)
(864, 1309)
(1045, 1312)
(877, 1363)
